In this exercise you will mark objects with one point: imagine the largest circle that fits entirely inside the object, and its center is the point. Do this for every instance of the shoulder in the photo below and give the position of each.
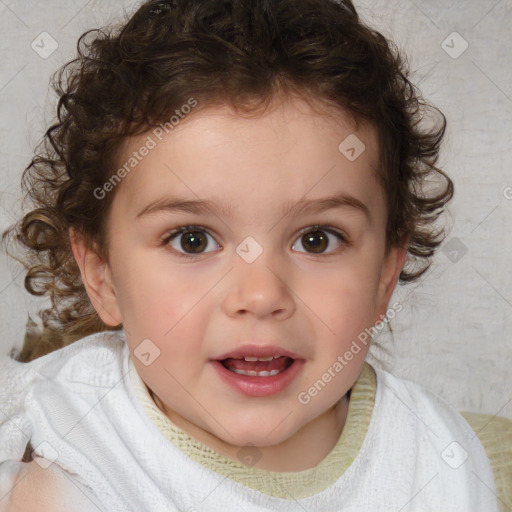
(495, 433)
(93, 360)
(423, 435)
(87, 356)
(47, 490)
(99, 348)
(427, 416)
(88, 348)
(426, 406)
(59, 385)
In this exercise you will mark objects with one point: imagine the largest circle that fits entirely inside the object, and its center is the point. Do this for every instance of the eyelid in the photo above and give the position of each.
(185, 229)
(180, 230)
(324, 227)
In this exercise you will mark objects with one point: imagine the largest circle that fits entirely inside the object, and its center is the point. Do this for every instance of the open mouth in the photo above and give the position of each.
(258, 367)
(258, 376)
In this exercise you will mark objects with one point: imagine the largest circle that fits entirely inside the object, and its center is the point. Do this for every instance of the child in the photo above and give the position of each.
(281, 139)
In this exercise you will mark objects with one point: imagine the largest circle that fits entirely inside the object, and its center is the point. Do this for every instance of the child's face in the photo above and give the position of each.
(195, 310)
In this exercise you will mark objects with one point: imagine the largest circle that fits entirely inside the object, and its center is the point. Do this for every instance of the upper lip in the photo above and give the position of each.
(257, 351)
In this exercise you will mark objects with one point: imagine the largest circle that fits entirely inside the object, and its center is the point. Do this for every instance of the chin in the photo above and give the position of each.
(258, 435)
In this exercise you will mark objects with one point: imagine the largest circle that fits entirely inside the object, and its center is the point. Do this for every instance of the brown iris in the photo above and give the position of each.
(195, 239)
(316, 240)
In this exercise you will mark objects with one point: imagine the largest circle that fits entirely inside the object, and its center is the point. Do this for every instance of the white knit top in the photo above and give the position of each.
(79, 409)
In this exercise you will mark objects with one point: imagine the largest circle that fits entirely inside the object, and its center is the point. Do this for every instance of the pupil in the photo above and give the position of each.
(320, 244)
(195, 241)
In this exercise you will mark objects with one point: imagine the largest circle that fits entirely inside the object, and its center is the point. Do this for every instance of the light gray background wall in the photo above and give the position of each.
(454, 334)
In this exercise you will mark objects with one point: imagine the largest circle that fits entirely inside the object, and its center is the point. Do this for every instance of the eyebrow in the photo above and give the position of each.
(304, 206)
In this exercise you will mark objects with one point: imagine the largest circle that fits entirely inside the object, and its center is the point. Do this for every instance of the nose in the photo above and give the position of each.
(260, 289)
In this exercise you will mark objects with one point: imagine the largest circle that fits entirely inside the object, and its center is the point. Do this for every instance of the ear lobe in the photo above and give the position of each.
(389, 277)
(97, 279)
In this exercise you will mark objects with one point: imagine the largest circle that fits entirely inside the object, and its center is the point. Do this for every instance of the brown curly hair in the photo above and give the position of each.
(128, 79)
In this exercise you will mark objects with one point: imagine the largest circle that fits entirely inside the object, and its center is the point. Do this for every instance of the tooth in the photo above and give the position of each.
(268, 358)
(250, 358)
(253, 373)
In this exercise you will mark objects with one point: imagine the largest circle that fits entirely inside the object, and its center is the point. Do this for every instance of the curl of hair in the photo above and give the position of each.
(126, 80)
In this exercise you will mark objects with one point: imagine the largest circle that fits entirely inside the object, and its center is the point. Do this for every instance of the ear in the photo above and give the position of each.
(391, 269)
(97, 279)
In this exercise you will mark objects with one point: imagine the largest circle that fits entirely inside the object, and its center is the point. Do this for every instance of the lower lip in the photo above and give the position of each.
(259, 386)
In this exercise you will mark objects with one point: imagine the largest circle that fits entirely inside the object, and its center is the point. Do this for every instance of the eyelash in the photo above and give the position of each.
(191, 228)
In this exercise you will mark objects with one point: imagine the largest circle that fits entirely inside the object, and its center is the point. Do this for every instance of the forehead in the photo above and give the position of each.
(294, 151)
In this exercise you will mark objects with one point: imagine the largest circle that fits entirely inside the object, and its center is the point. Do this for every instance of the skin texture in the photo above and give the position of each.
(197, 309)
(45, 488)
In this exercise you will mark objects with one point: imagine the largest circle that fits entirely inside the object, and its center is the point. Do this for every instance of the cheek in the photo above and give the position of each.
(150, 290)
(344, 296)
(169, 310)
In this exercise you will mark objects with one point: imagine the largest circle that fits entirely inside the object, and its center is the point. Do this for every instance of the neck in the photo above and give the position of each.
(303, 450)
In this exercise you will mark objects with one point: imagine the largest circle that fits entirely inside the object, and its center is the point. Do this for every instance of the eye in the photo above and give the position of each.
(317, 238)
(193, 240)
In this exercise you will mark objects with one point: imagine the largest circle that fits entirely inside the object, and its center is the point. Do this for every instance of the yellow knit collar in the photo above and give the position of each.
(285, 485)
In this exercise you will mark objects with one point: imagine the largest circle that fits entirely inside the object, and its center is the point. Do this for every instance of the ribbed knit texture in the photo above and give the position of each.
(300, 484)
(78, 407)
(495, 433)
